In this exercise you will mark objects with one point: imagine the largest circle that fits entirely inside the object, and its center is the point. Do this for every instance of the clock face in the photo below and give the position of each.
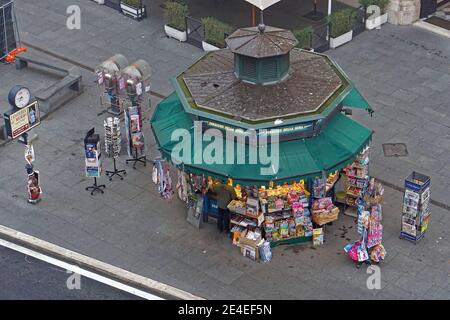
(19, 96)
(22, 98)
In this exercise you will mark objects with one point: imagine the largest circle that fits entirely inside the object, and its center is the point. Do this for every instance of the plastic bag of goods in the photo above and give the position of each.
(265, 251)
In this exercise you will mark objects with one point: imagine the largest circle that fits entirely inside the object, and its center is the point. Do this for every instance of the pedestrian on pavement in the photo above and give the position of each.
(225, 194)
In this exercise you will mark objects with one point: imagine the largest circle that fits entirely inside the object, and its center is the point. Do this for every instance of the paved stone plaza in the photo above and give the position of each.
(402, 71)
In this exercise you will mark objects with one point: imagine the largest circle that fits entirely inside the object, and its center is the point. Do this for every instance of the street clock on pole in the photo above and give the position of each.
(19, 96)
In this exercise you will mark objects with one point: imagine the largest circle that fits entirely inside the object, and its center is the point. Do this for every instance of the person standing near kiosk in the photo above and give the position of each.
(225, 194)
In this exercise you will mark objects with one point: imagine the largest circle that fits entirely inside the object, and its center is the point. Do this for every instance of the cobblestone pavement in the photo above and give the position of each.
(404, 72)
(132, 227)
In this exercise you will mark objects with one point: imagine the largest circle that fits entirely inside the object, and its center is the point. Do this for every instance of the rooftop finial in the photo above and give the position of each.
(261, 26)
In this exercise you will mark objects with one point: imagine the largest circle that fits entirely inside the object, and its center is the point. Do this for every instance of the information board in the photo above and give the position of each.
(20, 121)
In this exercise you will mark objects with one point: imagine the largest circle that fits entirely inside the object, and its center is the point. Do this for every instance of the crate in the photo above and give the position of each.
(325, 216)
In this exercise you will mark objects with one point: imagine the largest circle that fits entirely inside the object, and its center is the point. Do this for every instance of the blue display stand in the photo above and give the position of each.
(213, 208)
(210, 208)
(416, 209)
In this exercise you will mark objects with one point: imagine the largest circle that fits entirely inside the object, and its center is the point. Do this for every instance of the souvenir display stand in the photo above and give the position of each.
(112, 145)
(356, 181)
(323, 208)
(416, 207)
(93, 160)
(136, 145)
(137, 84)
(368, 247)
(34, 189)
(161, 177)
(109, 76)
(126, 86)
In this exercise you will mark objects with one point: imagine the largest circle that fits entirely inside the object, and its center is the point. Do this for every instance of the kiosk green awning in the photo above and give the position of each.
(354, 99)
(337, 145)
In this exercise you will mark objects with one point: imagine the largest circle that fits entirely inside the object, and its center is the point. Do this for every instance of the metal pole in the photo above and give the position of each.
(16, 27)
(6, 35)
(328, 25)
(253, 16)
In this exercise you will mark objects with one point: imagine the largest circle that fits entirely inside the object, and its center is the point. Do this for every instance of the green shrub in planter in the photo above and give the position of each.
(341, 22)
(215, 31)
(174, 15)
(304, 37)
(132, 3)
(380, 3)
(383, 4)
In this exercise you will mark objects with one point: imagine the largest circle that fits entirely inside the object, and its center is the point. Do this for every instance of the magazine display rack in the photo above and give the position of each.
(136, 145)
(93, 160)
(112, 144)
(416, 209)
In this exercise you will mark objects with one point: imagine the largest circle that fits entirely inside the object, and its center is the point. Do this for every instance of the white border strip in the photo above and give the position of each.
(80, 271)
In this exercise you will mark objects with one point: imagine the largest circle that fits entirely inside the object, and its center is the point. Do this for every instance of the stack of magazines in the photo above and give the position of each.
(112, 136)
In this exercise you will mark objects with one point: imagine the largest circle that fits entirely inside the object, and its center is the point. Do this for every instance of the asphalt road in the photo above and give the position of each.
(24, 277)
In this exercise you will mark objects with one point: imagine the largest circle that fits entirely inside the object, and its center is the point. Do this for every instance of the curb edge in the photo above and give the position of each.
(117, 273)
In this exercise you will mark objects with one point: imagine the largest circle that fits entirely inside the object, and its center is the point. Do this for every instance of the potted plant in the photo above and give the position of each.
(175, 14)
(133, 8)
(215, 31)
(304, 37)
(341, 23)
(375, 21)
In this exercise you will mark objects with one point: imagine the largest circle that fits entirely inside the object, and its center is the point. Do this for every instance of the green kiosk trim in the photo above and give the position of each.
(295, 240)
(354, 99)
(336, 146)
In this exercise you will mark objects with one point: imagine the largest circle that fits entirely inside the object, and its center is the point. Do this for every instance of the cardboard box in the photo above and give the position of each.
(244, 241)
(250, 252)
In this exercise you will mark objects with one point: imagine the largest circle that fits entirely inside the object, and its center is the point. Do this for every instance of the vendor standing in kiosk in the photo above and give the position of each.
(225, 194)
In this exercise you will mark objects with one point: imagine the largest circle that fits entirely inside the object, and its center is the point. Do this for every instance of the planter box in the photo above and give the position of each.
(136, 13)
(209, 47)
(376, 22)
(342, 39)
(174, 33)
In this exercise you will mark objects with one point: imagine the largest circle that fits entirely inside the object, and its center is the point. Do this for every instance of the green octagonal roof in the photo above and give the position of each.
(314, 87)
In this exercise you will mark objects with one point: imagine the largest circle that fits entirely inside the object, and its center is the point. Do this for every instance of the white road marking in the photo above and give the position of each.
(78, 270)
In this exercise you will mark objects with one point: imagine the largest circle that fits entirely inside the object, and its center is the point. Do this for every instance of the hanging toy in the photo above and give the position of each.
(29, 154)
(155, 173)
(34, 190)
(181, 186)
(204, 184)
(377, 253)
